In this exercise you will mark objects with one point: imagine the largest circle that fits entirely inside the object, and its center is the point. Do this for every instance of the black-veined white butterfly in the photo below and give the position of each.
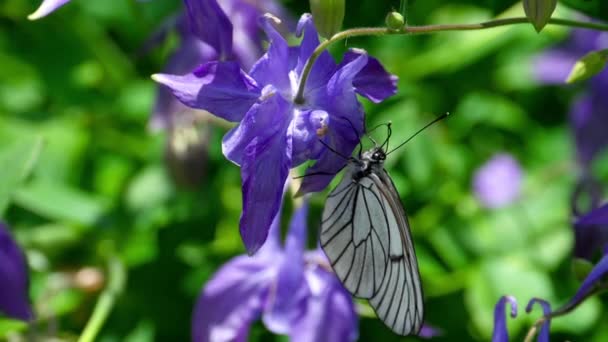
(366, 237)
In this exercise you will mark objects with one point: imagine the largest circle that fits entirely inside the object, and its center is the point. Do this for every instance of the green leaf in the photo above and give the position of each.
(539, 12)
(61, 202)
(588, 66)
(10, 326)
(17, 163)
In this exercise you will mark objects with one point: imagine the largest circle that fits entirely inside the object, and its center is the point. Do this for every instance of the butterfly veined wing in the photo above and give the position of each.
(355, 235)
(365, 235)
(399, 302)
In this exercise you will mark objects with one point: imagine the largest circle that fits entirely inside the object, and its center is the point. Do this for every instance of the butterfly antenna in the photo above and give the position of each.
(420, 131)
(333, 150)
(388, 136)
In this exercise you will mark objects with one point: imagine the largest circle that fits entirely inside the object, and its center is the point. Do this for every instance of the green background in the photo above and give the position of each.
(84, 182)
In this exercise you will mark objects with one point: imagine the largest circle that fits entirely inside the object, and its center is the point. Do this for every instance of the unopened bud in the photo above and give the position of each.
(539, 12)
(395, 21)
(328, 16)
(186, 155)
(588, 66)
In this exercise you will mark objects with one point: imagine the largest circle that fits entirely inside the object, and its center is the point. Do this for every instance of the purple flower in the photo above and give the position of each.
(543, 335)
(276, 134)
(498, 182)
(14, 281)
(500, 333)
(211, 31)
(589, 114)
(591, 233)
(591, 236)
(46, 8)
(596, 279)
(290, 289)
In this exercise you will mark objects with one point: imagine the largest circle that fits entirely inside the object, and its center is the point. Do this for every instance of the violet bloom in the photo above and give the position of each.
(276, 134)
(501, 334)
(591, 233)
(498, 182)
(595, 282)
(290, 289)
(14, 281)
(46, 8)
(589, 114)
(591, 236)
(210, 31)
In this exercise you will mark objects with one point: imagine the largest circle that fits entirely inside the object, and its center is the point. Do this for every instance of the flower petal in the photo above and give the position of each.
(543, 335)
(427, 331)
(331, 313)
(232, 299)
(263, 121)
(46, 8)
(591, 233)
(14, 281)
(247, 35)
(188, 56)
(307, 128)
(553, 66)
(324, 67)
(273, 67)
(497, 183)
(599, 271)
(265, 165)
(372, 82)
(287, 303)
(345, 125)
(589, 117)
(500, 333)
(211, 25)
(221, 88)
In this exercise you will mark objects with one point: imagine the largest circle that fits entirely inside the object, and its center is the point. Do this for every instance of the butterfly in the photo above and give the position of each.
(366, 237)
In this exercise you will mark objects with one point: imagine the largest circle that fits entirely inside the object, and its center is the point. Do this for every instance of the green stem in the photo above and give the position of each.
(116, 282)
(425, 29)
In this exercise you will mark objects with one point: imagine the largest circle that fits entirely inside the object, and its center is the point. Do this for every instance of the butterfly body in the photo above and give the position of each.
(365, 235)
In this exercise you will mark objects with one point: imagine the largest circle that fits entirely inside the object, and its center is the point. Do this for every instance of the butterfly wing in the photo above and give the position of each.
(399, 302)
(365, 235)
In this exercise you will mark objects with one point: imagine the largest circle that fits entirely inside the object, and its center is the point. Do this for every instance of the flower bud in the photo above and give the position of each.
(395, 21)
(328, 16)
(186, 155)
(588, 66)
(539, 12)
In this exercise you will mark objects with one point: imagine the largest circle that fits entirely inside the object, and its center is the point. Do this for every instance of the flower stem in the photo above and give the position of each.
(425, 29)
(116, 281)
(560, 312)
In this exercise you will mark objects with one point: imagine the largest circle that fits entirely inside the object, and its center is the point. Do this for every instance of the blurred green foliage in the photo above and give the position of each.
(83, 180)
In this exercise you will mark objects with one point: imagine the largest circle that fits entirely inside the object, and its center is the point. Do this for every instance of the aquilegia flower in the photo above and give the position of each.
(500, 333)
(591, 233)
(589, 114)
(498, 182)
(14, 281)
(276, 134)
(591, 236)
(237, 38)
(292, 290)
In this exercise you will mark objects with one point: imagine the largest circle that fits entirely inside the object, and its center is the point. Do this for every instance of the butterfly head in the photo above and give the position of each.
(376, 155)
